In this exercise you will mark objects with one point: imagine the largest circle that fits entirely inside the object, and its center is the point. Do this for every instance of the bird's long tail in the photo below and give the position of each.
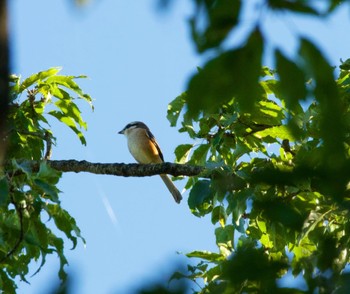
(171, 187)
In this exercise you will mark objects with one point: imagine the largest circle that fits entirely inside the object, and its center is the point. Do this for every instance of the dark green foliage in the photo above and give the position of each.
(234, 73)
(222, 17)
(288, 206)
(29, 199)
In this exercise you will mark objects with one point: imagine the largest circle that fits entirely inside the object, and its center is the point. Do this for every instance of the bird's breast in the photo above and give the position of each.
(142, 148)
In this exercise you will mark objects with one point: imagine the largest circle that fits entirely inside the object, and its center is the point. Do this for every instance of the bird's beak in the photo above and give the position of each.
(121, 132)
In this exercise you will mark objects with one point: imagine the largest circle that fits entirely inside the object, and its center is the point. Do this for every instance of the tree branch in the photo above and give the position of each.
(120, 169)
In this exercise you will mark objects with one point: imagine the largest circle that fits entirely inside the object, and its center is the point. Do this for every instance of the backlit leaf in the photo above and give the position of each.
(40, 76)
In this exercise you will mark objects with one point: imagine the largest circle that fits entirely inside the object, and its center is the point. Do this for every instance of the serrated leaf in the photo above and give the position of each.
(70, 109)
(70, 123)
(59, 245)
(65, 222)
(69, 83)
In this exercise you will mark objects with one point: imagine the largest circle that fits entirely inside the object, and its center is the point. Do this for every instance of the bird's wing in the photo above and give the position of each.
(153, 140)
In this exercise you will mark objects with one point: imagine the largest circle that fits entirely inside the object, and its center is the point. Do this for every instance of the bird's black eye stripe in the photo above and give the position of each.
(137, 124)
(130, 125)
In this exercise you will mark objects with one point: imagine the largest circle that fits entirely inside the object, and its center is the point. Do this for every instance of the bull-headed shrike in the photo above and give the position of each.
(145, 149)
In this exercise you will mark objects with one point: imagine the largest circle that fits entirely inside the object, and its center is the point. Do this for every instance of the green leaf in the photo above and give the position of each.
(59, 245)
(182, 151)
(199, 155)
(64, 222)
(219, 215)
(69, 83)
(213, 273)
(278, 211)
(268, 113)
(68, 121)
(23, 166)
(250, 264)
(345, 65)
(234, 73)
(4, 192)
(280, 132)
(40, 76)
(48, 174)
(223, 16)
(209, 256)
(174, 109)
(200, 198)
(332, 126)
(224, 236)
(48, 189)
(71, 110)
(289, 71)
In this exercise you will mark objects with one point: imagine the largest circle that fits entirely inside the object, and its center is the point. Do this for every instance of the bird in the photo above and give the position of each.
(145, 149)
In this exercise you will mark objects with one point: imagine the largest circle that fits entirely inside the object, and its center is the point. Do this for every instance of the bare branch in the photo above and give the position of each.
(121, 169)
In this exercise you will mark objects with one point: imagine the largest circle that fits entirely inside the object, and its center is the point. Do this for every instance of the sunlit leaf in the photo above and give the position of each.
(70, 123)
(280, 132)
(69, 83)
(210, 256)
(174, 109)
(38, 77)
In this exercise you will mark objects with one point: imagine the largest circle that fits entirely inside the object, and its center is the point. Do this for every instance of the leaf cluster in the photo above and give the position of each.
(30, 209)
(277, 142)
(279, 191)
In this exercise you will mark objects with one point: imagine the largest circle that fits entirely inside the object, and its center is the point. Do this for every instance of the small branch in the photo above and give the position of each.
(286, 147)
(48, 140)
(121, 169)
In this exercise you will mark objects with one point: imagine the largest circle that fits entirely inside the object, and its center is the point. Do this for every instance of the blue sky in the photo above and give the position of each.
(137, 61)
